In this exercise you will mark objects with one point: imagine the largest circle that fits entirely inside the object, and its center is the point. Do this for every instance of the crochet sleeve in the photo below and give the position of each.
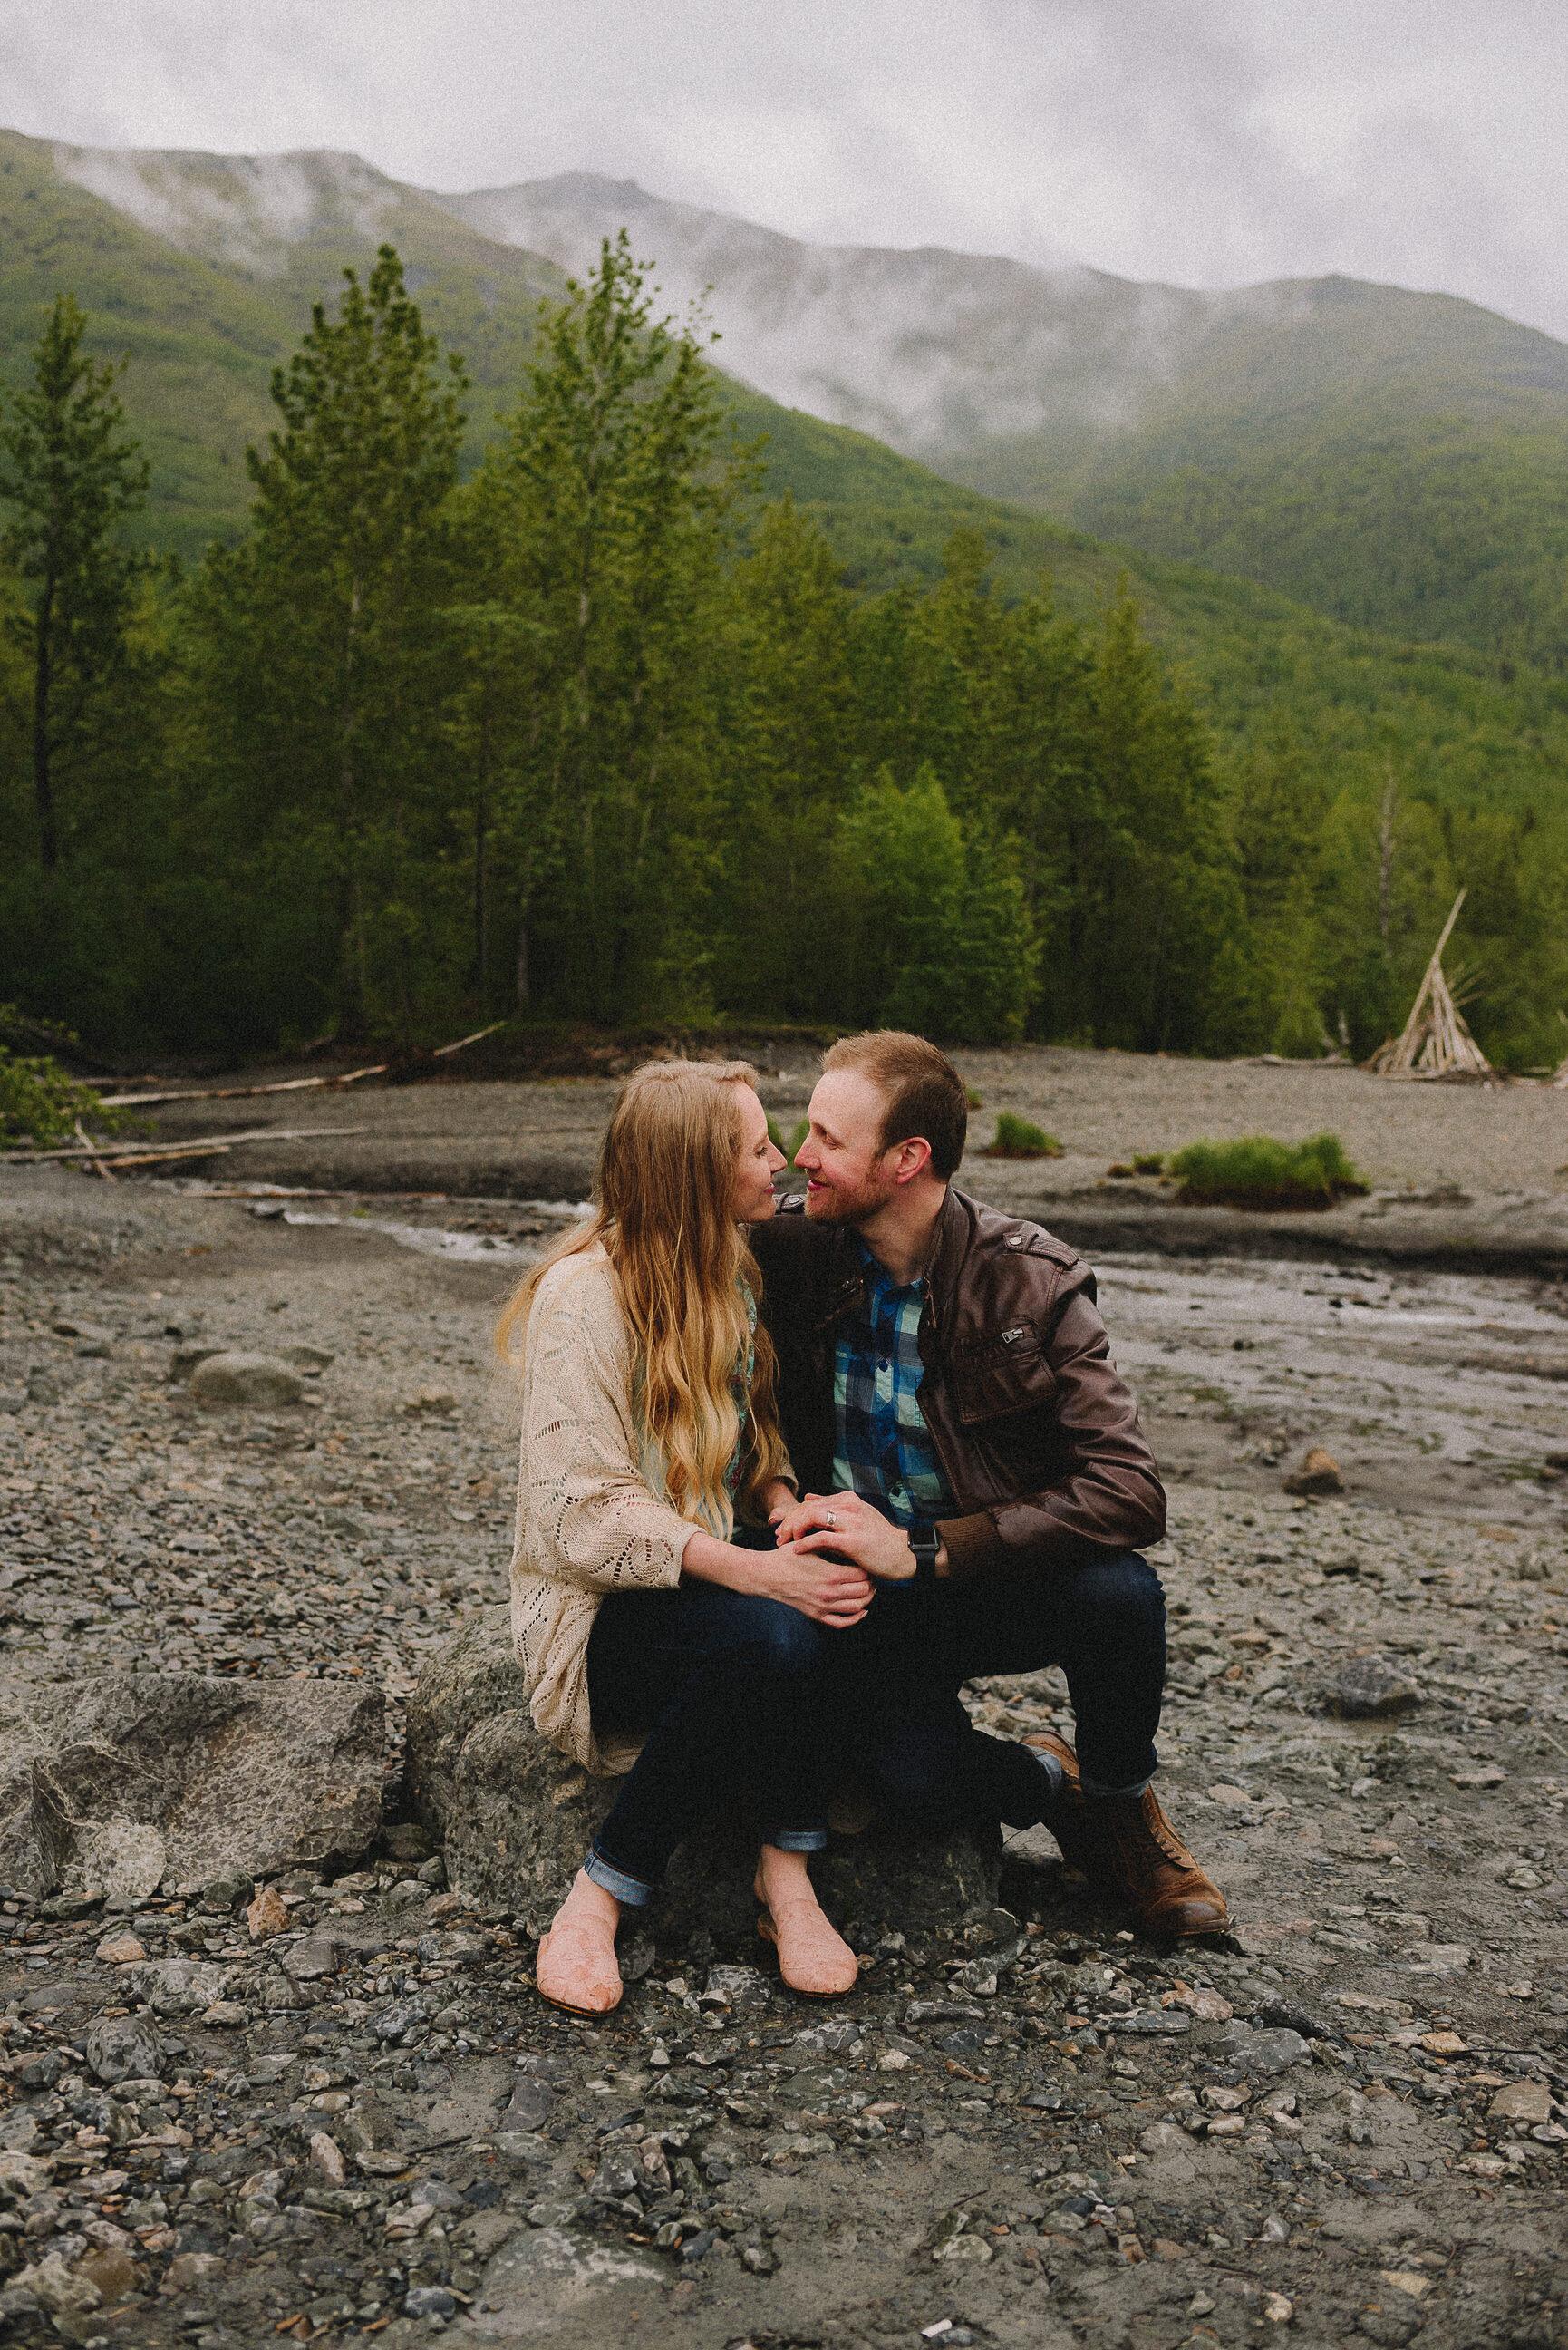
(598, 1525)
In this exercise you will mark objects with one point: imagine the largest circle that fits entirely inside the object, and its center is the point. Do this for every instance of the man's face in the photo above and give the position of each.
(848, 1175)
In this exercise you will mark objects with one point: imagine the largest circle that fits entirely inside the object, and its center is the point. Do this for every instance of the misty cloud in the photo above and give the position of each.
(1202, 143)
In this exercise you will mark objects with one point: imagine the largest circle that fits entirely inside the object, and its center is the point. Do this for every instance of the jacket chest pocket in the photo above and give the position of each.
(1001, 1376)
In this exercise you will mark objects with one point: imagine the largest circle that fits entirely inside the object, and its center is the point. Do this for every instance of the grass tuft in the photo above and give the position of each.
(1016, 1139)
(1259, 1173)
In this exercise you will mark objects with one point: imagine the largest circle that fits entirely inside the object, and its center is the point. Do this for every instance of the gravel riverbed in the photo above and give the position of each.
(1347, 2122)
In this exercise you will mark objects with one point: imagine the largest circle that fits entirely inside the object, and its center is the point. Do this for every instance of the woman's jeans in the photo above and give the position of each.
(725, 1685)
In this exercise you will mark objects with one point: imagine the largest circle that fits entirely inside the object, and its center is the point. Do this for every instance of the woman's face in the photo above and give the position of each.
(756, 1163)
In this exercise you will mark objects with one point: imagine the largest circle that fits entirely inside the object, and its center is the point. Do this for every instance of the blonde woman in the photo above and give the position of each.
(663, 1632)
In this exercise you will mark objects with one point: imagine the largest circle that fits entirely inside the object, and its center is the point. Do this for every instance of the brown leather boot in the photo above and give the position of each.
(1127, 1844)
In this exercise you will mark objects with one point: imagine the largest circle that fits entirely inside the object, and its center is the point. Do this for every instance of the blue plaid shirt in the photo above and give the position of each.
(883, 1450)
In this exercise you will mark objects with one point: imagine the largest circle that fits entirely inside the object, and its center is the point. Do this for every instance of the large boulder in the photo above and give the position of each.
(131, 1779)
(516, 1817)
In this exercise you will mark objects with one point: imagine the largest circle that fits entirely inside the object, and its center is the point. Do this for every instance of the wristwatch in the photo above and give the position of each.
(925, 1542)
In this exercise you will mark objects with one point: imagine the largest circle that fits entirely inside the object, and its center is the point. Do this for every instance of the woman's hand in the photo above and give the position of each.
(848, 1524)
(778, 1498)
(826, 1589)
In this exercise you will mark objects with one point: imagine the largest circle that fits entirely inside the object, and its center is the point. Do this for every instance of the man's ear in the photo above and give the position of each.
(914, 1157)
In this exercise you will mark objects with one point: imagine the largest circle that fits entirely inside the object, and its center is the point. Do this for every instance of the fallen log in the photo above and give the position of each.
(284, 1084)
(206, 1145)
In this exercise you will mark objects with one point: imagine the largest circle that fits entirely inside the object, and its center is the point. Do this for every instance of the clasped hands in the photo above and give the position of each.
(832, 1549)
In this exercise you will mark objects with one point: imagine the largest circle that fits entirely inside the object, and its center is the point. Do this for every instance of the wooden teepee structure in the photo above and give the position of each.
(1435, 1041)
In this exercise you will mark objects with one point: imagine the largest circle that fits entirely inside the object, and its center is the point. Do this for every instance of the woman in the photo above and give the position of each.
(650, 1601)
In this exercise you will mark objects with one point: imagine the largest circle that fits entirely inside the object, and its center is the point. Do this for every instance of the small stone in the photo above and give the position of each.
(1278, 2308)
(60, 2291)
(111, 2270)
(267, 1915)
(1319, 1474)
(178, 1986)
(121, 1950)
(428, 2300)
(228, 1887)
(1443, 2043)
(1407, 2281)
(745, 1991)
(1208, 2006)
(122, 1860)
(1478, 1774)
(1364, 1687)
(193, 2272)
(259, 1382)
(1521, 2101)
(432, 1399)
(311, 1958)
(1523, 1879)
(1163, 2138)
(326, 2159)
(123, 2048)
(309, 1361)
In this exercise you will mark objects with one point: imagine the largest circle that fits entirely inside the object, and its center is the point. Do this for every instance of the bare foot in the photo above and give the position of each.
(575, 1968)
(812, 1959)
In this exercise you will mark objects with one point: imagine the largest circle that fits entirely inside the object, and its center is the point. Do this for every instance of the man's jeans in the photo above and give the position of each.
(747, 1696)
(893, 1684)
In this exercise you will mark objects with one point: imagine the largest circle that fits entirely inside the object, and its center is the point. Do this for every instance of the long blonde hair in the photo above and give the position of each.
(663, 1214)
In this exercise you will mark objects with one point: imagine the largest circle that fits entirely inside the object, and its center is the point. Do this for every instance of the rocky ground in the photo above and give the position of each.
(355, 2116)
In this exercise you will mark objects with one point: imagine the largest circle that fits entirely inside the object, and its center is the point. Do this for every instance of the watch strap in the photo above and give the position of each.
(925, 1542)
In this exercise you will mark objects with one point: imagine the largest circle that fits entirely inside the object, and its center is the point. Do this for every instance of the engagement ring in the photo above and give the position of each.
(833, 1521)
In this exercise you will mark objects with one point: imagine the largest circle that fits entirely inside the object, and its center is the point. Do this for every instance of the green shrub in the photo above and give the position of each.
(1260, 1172)
(40, 1103)
(1148, 1162)
(975, 1101)
(1016, 1139)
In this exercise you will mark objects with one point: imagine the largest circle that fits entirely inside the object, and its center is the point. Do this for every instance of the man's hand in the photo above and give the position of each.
(846, 1525)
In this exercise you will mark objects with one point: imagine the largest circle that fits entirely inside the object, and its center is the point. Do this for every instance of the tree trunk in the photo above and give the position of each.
(522, 966)
(43, 686)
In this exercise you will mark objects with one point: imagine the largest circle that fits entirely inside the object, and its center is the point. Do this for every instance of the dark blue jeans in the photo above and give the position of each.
(747, 1694)
(892, 1685)
(726, 1688)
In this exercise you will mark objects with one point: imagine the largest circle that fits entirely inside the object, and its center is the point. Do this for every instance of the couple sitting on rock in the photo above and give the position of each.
(789, 1479)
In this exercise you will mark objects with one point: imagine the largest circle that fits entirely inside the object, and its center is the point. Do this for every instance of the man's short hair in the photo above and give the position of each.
(925, 1094)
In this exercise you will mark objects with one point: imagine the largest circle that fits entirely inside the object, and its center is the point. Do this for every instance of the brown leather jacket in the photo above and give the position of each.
(1036, 1434)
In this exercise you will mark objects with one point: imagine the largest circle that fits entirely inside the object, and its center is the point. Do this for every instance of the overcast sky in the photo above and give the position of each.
(1208, 142)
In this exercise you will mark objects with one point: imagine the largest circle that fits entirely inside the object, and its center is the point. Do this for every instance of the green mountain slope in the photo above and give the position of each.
(205, 319)
(1394, 459)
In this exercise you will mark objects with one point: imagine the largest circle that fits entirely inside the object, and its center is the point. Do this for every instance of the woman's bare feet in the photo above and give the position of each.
(812, 1959)
(575, 1968)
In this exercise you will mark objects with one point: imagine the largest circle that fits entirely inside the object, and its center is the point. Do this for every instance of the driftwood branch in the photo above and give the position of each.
(284, 1084)
(200, 1146)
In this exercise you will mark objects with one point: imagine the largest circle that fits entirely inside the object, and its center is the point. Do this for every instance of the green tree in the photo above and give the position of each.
(932, 931)
(322, 671)
(70, 474)
(609, 511)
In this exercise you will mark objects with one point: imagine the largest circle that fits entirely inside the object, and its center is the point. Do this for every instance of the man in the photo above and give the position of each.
(961, 1432)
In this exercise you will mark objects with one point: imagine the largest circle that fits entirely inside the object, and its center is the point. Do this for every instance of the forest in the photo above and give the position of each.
(602, 729)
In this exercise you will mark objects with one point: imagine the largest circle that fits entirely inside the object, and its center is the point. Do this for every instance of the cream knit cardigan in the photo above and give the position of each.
(591, 1518)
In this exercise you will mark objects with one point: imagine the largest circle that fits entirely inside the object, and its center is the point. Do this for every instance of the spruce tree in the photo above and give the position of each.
(71, 475)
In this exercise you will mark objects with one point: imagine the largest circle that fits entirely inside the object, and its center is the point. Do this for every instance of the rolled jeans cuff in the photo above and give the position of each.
(1094, 1787)
(797, 1839)
(630, 1891)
